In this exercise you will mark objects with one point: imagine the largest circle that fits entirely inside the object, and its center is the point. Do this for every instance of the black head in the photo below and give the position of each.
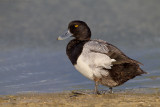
(79, 30)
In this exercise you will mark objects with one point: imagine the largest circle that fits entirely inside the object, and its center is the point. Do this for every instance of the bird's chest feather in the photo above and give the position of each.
(84, 67)
(74, 49)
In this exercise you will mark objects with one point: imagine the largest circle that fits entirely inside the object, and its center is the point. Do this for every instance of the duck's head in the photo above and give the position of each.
(77, 29)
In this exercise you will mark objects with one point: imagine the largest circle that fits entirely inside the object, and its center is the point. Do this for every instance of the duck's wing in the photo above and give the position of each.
(104, 59)
(100, 46)
(119, 56)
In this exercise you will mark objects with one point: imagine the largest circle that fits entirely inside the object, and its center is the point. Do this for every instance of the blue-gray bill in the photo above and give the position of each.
(65, 36)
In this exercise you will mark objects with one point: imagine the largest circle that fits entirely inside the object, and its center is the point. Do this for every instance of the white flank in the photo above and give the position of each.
(90, 64)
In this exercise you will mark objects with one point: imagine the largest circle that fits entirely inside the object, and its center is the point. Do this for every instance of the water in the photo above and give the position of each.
(32, 60)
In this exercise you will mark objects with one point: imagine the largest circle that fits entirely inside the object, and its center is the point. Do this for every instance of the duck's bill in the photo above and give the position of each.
(65, 36)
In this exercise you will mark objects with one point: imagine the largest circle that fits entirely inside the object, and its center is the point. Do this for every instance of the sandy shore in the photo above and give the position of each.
(123, 99)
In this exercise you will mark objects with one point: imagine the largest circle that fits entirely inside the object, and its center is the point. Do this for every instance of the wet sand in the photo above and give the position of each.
(119, 99)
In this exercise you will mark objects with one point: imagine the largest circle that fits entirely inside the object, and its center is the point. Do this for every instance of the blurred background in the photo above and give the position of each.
(32, 60)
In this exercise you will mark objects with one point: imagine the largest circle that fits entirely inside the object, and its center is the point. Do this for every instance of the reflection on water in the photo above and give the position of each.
(31, 59)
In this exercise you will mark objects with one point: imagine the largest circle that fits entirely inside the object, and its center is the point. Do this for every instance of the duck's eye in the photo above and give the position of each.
(75, 25)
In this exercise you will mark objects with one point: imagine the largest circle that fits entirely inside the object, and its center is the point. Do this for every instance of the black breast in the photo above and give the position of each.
(74, 49)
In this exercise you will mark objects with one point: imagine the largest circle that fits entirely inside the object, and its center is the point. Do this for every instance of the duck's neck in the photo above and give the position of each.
(74, 49)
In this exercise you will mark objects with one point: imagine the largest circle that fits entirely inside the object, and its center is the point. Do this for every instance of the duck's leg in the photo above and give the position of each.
(110, 90)
(96, 88)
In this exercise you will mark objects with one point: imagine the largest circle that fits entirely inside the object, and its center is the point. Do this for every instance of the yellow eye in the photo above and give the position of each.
(75, 25)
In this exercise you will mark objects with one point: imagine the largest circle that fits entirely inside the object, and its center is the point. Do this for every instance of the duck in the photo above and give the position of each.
(98, 60)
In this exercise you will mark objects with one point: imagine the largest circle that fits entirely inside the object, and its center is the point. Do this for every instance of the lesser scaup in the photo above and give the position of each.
(98, 60)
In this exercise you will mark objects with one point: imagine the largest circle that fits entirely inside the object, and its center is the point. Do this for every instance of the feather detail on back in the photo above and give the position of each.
(114, 53)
